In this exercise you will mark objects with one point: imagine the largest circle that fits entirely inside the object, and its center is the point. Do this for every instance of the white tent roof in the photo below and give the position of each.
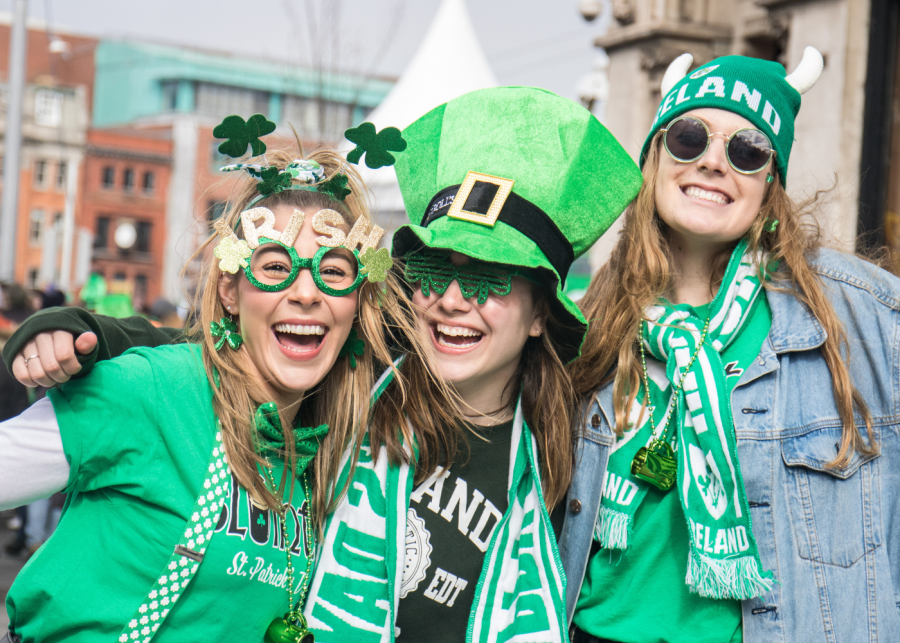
(448, 63)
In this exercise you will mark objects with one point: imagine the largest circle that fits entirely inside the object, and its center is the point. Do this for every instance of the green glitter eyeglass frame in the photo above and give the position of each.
(435, 271)
(313, 265)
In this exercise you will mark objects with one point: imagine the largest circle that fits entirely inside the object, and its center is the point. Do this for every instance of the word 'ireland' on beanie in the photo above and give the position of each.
(758, 90)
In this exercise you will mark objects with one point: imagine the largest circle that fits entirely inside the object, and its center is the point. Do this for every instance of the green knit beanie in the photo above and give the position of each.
(758, 90)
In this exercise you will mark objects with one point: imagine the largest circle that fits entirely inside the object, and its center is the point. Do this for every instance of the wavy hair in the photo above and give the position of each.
(385, 322)
(624, 288)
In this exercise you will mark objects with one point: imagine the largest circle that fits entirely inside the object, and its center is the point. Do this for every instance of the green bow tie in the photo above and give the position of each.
(268, 427)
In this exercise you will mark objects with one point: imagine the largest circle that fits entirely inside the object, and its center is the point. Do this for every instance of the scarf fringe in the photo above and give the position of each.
(738, 578)
(611, 528)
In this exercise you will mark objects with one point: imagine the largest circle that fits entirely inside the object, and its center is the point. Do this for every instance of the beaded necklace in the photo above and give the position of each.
(656, 463)
(292, 627)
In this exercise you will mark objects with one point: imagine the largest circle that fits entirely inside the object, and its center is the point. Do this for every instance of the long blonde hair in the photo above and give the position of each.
(386, 324)
(624, 287)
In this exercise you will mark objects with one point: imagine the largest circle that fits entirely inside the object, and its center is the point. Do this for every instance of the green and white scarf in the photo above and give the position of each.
(723, 560)
(355, 592)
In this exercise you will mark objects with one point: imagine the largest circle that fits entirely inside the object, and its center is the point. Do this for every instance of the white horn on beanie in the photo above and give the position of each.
(807, 72)
(677, 70)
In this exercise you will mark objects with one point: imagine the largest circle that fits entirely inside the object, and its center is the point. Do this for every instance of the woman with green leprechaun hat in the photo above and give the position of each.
(195, 491)
(447, 536)
(729, 485)
(505, 188)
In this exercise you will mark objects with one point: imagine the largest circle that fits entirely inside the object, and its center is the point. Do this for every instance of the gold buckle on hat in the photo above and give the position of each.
(490, 218)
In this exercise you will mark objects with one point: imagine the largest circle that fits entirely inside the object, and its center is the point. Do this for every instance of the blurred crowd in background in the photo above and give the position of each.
(33, 524)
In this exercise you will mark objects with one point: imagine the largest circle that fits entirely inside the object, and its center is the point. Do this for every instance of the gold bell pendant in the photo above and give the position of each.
(281, 630)
(656, 464)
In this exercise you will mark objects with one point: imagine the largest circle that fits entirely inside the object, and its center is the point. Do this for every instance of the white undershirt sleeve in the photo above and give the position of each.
(32, 461)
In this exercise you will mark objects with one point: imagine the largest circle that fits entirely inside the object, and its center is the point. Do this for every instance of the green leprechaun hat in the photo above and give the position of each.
(516, 176)
(759, 90)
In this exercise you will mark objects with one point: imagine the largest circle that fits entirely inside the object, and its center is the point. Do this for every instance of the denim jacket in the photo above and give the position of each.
(831, 537)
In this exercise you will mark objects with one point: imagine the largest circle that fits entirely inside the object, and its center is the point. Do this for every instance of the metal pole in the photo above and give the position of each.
(10, 202)
(68, 231)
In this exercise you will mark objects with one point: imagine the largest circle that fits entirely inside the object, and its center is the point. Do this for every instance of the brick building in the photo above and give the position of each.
(124, 193)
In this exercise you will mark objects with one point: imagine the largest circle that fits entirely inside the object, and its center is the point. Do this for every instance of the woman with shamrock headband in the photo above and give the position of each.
(505, 188)
(729, 481)
(201, 509)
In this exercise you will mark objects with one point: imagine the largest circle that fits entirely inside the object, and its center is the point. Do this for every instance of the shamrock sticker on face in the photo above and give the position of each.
(376, 147)
(241, 133)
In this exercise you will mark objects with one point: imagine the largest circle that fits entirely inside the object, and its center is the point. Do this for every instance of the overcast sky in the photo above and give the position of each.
(544, 43)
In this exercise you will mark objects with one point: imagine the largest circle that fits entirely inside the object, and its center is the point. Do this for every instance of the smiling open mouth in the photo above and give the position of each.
(456, 336)
(706, 195)
(300, 339)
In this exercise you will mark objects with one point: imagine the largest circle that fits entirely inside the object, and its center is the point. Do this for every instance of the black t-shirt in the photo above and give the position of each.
(452, 516)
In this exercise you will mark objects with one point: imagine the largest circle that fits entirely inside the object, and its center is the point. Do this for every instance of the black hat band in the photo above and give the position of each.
(517, 212)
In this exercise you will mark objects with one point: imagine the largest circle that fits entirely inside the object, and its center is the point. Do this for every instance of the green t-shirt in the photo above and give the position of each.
(640, 596)
(138, 433)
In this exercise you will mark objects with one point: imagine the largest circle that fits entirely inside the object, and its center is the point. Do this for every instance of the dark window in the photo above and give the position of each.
(119, 276)
(33, 277)
(109, 177)
(169, 95)
(142, 243)
(149, 182)
(216, 209)
(40, 173)
(101, 237)
(61, 169)
(36, 227)
(58, 221)
(140, 286)
(128, 180)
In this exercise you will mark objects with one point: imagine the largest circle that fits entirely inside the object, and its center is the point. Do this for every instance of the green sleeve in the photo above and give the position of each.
(114, 336)
(106, 422)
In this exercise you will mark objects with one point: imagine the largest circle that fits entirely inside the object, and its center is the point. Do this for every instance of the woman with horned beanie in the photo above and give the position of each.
(449, 538)
(195, 492)
(737, 473)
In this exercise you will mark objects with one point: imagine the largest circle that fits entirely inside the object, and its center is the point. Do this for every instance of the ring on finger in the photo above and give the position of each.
(32, 357)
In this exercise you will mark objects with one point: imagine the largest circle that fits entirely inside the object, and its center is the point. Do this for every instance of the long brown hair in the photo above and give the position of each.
(548, 404)
(386, 324)
(624, 287)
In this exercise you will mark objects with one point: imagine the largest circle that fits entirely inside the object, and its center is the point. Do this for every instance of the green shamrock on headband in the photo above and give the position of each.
(376, 147)
(241, 133)
(336, 186)
(274, 180)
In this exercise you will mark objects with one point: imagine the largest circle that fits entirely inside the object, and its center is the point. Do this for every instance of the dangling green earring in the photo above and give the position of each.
(226, 331)
(353, 347)
(771, 225)
(769, 178)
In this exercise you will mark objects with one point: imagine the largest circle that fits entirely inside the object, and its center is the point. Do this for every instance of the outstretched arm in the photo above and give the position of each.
(62, 342)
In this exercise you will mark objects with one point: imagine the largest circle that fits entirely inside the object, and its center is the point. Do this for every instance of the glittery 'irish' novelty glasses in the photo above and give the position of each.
(436, 271)
(687, 138)
(275, 266)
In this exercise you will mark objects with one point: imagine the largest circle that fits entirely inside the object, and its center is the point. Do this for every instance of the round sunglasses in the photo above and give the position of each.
(686, 139)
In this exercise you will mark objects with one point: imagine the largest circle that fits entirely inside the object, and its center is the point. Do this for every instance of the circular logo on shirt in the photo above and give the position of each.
(418, 553)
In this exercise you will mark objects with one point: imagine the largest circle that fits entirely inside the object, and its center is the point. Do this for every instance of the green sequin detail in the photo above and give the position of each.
(297, 263)
(435, 271)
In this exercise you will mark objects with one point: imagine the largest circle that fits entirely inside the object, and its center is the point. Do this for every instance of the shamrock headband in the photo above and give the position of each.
(298, 175)
(274, 273)
(302, 174)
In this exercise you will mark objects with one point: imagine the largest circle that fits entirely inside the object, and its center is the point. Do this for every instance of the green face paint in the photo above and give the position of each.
(435, 271)
(274, 266)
